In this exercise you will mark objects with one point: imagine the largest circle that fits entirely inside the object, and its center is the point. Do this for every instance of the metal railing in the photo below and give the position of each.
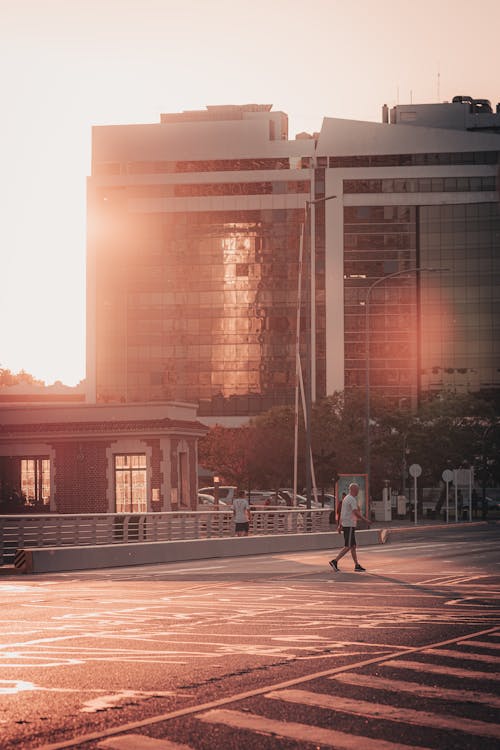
(59, 530)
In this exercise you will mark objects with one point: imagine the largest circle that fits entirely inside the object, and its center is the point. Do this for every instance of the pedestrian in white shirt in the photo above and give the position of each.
(241, 511)
(349, 516)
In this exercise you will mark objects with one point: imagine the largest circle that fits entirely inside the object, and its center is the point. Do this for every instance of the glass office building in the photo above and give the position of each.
(194, 264)
(195, 228)
(428, 331)
(413, 197)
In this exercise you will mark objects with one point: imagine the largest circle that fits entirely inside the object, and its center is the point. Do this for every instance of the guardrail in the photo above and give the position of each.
(65, 530)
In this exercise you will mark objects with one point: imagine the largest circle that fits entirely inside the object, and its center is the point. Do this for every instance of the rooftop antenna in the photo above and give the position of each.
(411, 96)
(438, 86)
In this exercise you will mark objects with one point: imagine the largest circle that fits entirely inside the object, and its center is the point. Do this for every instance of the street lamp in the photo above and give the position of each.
(216, 492)
(372, 286)
(307, 234)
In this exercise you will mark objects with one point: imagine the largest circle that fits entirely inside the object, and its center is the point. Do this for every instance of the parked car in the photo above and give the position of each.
(259, 497)
(314, 504)
(204, 499)
(327, 499)
(492, 504)
(287, 495)
(227, 493)
(301, 500)
(207, 500)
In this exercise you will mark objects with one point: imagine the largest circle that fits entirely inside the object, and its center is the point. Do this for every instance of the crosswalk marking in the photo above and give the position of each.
(421, 666)
(212, 711)
(388, 713)
(481, 644)
(139, 742)
(300, 732)
(424, 691)
(466, 655)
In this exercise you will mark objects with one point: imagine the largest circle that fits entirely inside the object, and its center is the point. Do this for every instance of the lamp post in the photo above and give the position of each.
(307, 233)
(372, 286)
(216, 492)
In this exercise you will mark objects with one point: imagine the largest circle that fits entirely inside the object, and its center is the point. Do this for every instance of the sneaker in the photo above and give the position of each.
(333, 564)
(360, 568)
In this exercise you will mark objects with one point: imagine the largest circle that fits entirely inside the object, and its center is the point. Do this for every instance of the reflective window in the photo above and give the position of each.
(130, 483)
(457, 313)
(207, 165)
(201, 307)
(422, 185)
(411, 160)
(35, 480)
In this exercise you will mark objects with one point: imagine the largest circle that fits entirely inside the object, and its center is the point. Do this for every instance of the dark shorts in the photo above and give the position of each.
(243, 526)
(349, 536)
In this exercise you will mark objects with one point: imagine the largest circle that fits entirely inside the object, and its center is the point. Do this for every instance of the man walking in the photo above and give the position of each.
(349, 516)
(241, 510)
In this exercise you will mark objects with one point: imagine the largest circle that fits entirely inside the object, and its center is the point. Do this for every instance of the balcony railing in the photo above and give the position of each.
(59, 530)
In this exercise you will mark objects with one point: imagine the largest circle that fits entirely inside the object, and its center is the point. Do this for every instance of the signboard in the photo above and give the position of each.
(463, 477)
(361, 480)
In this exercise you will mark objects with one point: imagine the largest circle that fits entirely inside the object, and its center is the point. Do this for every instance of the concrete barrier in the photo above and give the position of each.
(57, 559)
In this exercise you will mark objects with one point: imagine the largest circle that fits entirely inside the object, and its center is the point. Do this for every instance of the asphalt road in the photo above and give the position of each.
(264, 652)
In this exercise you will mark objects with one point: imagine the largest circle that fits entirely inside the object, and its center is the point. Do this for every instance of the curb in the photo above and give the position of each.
(59, 559)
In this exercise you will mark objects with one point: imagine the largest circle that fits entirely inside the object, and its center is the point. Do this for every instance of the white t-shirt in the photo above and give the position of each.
(347, 517)
(240, 507)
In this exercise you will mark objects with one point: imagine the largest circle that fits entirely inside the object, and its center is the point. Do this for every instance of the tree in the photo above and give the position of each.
(446, 432)
(225, 451)
(337, 437)
(9, 378)
(272, 448)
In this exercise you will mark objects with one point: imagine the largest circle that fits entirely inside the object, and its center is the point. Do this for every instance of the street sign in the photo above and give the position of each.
(447, 476)
(415, 470)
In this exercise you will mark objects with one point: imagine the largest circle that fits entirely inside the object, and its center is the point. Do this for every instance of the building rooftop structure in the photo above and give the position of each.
(462, 113)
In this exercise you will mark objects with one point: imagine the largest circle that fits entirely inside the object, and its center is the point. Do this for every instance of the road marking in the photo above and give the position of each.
(388, 713)
(420, 666)
(175, 571)
(424, 691)
(466, 655)
(15, 588)
(299, 732)
(11, 687)
(481, 644)
(197, 709)
(104, 702)
(140, 742)
(16, 656)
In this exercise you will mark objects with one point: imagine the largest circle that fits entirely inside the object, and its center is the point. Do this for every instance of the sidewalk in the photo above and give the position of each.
(49, 559)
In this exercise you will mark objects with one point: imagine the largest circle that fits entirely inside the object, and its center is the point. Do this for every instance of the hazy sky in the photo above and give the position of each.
(66, 65)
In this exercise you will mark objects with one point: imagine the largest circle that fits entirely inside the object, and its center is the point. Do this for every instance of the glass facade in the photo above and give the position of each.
(422, 185)
(378, 241)
(461, 309)
(427, 331)
(200, 307)
(194, 263)
(179, 167)
(199, 189)
(441, 158)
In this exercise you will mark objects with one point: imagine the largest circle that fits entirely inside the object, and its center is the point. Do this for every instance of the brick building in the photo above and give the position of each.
(99, 458)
